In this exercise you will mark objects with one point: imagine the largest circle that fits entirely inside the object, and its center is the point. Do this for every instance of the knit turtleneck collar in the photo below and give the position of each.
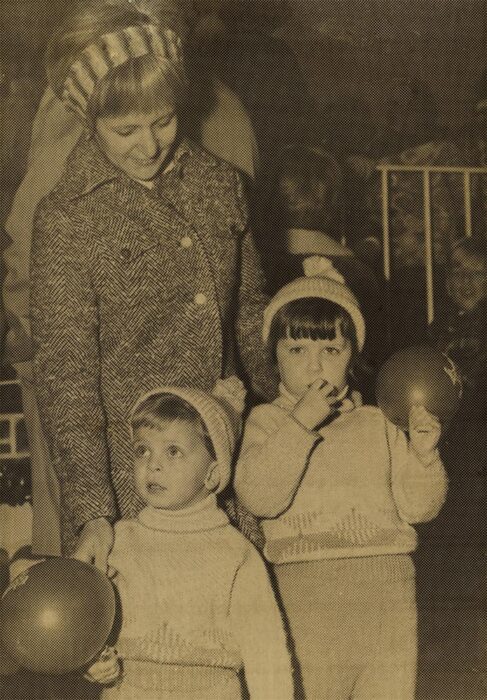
(205, 515)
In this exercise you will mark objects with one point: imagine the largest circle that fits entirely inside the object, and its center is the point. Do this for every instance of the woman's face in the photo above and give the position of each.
(138, 144)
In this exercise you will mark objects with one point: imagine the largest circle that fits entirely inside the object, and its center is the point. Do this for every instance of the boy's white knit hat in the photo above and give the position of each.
(321, 281)
(221, 413)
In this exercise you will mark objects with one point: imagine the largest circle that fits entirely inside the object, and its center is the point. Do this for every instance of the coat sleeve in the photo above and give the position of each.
(258, 628)
(419, 490)
(273, 459)
(251, 304)
(54, 134)
(64, 316)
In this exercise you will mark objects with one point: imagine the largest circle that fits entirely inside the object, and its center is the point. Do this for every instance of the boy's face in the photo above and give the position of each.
(407, 241)
(171, 465)
(467, 280)
(303, 361)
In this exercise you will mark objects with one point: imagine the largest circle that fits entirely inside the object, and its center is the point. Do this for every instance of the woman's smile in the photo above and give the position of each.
(139, 144)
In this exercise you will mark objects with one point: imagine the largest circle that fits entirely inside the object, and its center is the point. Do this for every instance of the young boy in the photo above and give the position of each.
(451, 562)
(459, 329)
(197, 605)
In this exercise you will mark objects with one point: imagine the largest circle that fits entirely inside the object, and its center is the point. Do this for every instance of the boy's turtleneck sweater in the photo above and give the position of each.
(349, 489)
(195, 592)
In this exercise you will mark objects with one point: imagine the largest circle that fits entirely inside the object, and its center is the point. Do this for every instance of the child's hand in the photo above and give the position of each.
(349, 404)
(316, 404)
(106, 668)
(424, 431)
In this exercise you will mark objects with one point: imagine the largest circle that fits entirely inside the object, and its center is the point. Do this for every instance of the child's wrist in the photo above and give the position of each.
(426, 458)
(307, 428)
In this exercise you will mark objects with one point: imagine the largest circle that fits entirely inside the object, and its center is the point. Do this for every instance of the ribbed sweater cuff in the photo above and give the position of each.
(156, 677)
(388, 567)
(429, 459)
(313, 433)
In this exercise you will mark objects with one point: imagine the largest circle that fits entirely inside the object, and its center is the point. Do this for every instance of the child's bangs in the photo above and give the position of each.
(140, 86)
(316, 319)
(313, 318)
(159, 409)
(314, 330)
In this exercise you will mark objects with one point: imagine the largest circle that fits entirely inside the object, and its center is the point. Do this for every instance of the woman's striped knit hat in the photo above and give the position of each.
(321, 281)
(112, 50)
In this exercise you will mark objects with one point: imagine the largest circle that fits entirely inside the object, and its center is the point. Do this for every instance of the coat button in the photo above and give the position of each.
(186, 242)
(200, 299)
(125, 253)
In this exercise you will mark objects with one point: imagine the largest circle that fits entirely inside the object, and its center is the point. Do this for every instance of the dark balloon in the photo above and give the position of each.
(56, 616)
(418, 375)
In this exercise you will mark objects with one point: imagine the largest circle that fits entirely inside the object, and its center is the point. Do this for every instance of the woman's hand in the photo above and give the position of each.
(424, 431)
(95, 544)
(316, 405)
(106, 668)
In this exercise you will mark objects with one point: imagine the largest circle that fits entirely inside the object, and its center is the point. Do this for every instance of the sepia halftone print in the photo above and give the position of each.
(243, 349)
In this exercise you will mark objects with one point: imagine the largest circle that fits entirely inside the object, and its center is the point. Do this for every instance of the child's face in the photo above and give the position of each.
(407, 241)
(171, 465)
(467, 280)
(303, 361)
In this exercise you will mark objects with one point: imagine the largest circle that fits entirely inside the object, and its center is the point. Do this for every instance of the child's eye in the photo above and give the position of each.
(331, 351)
(296, 350)
(174, 451)
(141, 452)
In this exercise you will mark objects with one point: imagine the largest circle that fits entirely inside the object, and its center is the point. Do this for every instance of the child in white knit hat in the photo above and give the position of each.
(197, 606)
(337, 487)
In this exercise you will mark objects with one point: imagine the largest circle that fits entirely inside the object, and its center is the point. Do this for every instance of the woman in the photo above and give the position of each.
(141, 263)
(219, 123)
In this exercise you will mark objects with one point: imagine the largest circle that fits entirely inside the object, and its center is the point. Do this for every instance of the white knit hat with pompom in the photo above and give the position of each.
(321, 281)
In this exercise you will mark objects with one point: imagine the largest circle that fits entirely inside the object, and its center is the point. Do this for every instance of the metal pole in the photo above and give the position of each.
(468, 203)
(428, 233)
(482, 170)
(385, 225)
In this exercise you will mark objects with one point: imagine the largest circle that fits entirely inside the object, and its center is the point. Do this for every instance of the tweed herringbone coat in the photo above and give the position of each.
(132, 288)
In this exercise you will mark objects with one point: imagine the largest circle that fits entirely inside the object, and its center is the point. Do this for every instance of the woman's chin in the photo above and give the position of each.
(144, 173)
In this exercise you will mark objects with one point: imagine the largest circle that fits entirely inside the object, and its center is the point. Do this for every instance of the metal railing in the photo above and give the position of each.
(10, 421)
(426, 171)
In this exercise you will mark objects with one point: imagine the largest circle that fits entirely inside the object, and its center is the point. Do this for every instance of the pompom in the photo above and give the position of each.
(232, 392)
(319, 266)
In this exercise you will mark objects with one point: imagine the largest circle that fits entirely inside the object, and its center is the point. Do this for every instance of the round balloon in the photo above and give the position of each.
(418, 375)
(57, 615)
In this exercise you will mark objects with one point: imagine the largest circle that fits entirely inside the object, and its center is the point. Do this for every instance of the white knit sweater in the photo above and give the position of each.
(195, 592)
(348, 490)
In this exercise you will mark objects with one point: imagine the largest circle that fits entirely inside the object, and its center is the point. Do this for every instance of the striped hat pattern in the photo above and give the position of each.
(115, 49)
